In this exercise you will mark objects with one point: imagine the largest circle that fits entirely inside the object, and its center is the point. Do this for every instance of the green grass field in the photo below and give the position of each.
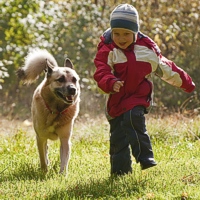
(176, 146)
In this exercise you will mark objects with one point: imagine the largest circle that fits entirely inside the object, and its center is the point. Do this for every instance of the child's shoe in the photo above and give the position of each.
(147, 165)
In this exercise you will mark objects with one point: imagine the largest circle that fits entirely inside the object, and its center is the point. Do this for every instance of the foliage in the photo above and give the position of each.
(176, 145)
(72, 29)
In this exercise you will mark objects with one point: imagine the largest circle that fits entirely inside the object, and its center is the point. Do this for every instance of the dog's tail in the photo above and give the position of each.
(35, 63)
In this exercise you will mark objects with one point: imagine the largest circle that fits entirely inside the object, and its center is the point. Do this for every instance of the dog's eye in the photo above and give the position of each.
(74, 80)
(61, 79)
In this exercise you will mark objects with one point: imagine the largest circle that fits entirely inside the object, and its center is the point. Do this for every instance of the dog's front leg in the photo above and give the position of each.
(43, 153)
(65, 150)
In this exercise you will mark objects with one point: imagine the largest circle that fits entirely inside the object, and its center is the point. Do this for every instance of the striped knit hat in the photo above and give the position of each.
(125, 16)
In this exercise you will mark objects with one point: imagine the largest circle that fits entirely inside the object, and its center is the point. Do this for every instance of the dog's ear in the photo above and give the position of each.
(49, 67)
(68, 63)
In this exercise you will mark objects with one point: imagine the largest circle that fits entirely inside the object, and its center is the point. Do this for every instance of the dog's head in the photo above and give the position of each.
(63, 82)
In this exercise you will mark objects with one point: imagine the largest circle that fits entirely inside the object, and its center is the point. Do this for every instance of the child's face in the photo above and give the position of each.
(122, 37)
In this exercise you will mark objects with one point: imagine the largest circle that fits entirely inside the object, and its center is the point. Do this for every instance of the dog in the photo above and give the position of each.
(55, 103)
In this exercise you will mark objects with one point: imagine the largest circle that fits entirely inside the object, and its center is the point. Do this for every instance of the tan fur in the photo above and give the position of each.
(55, 103)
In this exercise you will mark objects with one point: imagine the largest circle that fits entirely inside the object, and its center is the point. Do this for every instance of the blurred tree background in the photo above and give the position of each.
(71, 28)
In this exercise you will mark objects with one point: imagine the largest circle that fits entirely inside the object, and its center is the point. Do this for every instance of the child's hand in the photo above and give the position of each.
(117, 85)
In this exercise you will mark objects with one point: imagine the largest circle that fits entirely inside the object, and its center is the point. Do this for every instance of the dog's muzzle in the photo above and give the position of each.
(67, 94)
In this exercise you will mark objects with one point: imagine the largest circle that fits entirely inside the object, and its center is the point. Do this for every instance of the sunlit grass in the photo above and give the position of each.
(177, 175)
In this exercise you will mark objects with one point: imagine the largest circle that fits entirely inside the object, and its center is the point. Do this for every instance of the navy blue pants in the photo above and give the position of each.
(128, 135)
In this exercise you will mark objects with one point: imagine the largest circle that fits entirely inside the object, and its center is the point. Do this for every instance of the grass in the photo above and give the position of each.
(176, 145)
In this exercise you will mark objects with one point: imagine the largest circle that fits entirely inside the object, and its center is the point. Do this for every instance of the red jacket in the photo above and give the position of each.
(133, 66)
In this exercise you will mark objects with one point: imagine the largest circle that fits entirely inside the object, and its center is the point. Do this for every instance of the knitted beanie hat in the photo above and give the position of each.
(125, 16)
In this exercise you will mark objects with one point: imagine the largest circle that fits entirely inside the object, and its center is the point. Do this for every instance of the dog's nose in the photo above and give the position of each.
(71, 90)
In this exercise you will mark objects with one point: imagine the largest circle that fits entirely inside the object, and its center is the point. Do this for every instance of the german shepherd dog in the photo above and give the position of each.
(55, 103)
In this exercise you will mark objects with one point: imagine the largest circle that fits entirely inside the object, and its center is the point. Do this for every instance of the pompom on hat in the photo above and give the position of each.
(125, 16)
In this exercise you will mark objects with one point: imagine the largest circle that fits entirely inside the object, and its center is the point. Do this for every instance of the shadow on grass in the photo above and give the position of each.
(25, 172)
(94, 189)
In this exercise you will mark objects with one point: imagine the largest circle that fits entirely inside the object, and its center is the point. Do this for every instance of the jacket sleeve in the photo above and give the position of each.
(169, 71)
(175, 76)
(103, 74)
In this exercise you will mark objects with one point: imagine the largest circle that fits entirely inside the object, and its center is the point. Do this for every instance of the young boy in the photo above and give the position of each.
(124, 61)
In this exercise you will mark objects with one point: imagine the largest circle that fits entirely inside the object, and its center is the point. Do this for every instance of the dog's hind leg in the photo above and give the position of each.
(65, 150)
(43, 152)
